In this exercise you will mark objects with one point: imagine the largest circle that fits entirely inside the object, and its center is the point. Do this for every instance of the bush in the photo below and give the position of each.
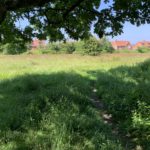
(13, 48)
(56, 47)
(70, 48)
(106, 46)
(143, 49)
(91, 46)
(61, 48)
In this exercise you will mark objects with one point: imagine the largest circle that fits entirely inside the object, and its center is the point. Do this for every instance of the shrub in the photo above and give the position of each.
(141, 123)
(141, 116)
(70, 48)
(106, 46)
(143, 50)
(91, 46)
(56, 47)
(13, 48)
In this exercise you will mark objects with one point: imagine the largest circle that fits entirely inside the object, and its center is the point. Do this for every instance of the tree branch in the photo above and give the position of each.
(78, 2)
(13, 5)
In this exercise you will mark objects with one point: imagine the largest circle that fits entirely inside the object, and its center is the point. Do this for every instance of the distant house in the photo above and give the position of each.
(145, 44)
(37, 44)
(118, 45)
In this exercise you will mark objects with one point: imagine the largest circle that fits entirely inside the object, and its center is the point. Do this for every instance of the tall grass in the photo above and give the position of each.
(45, 101)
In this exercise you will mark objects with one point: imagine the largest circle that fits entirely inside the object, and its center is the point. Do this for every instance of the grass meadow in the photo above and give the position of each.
(46, 102)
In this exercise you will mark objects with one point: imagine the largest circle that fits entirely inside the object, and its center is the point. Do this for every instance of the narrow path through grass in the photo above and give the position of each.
(107, 118)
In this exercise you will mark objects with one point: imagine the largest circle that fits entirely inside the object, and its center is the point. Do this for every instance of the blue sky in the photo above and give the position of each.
(131, 32)
(134, 34)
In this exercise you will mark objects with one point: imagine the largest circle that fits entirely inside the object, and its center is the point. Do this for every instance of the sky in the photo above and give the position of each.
(134, 34)
(131, 32)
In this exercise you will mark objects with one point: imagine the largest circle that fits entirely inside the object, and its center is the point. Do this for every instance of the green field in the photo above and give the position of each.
(51, 102)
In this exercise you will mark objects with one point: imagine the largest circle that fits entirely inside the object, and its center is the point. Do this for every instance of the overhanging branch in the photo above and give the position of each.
(76, 4)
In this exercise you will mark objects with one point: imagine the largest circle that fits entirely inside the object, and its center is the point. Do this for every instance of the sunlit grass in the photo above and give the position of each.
(11, 66)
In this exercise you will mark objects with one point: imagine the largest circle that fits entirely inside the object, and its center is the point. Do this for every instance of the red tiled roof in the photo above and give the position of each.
(121, 43)
(142, 44)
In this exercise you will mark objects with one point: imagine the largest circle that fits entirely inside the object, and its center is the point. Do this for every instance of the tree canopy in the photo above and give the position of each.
(53, 18)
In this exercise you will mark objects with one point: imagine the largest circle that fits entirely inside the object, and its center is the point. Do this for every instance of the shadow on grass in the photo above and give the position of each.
(51, 112)
(54, 111)
(125, 91)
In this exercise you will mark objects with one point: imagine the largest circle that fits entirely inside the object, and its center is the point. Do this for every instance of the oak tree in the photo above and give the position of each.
(56, 18)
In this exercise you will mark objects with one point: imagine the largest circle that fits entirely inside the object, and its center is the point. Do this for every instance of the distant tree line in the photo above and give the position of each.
(90, 46)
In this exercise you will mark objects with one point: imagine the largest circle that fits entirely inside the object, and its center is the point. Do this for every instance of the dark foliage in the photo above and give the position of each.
(51, 18)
